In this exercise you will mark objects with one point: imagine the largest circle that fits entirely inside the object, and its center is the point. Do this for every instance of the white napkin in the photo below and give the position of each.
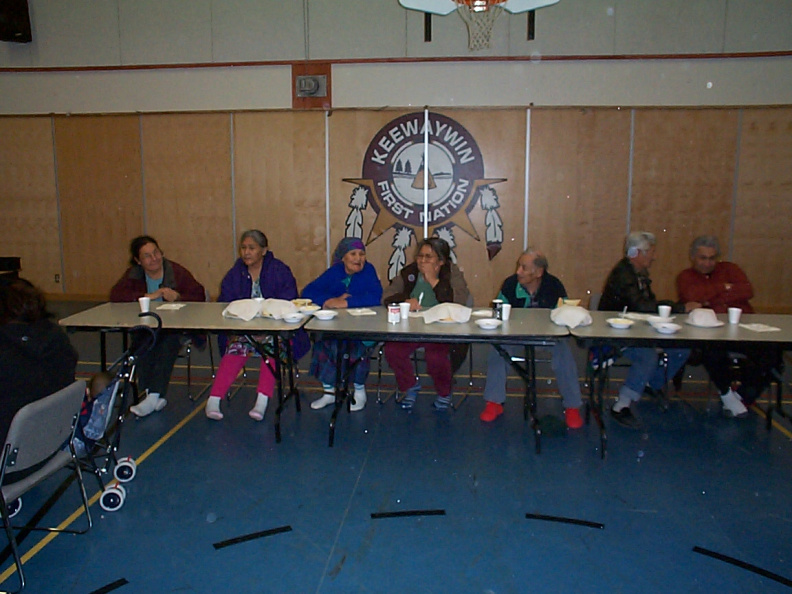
(277, 308)
(361, 311)
(760, 327)
(447, 311)
(243, 309)
(571, 316)
(171, 306)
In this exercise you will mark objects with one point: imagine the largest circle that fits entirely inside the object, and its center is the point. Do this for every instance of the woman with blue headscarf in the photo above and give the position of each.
(349, 282)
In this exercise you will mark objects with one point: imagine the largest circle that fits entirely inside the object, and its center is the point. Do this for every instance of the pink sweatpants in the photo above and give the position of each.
(231, 365)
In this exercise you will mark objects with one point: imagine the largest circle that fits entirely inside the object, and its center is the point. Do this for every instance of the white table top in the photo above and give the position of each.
(193, 316)
(524, 325)
(642, 332)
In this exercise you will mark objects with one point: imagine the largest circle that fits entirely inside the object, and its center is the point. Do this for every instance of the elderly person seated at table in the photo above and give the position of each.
(152, 275)
(718, 285)
(36, 357)
(533, 286)
(349, 282)
(629, 286)
(430, 279)
(256, 273)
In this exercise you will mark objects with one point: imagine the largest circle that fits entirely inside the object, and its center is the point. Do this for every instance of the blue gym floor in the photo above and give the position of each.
(693, 503)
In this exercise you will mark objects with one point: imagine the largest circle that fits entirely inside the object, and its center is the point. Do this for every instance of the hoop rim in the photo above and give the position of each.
(479, 5)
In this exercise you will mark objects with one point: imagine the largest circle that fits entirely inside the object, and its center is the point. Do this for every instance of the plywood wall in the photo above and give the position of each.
(279, 180)
(187, 191)
(74, 191)
(761, 240)
(100, 189)
(578, 201)
(683, 178)
(28, 199)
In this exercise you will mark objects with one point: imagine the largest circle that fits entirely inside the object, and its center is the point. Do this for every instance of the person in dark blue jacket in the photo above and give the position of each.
(349, 282)
(533, 286)
(256, 273)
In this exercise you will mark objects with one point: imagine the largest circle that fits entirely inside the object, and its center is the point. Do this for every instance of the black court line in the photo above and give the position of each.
(409, 513)
(110, 587)
(726, 559)
(565, 520)
(253, 536)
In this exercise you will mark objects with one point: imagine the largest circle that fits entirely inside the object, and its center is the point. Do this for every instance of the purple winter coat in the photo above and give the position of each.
(276, 282)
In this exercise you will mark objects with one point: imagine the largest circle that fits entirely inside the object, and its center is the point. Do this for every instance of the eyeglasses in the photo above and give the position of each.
(426, 257)
(151, 256)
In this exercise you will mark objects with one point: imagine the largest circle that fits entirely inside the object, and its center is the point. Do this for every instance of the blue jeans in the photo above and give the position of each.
(645, 370)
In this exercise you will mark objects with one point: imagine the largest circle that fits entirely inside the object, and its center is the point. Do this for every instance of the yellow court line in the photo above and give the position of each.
(775, 423)
(79, 511)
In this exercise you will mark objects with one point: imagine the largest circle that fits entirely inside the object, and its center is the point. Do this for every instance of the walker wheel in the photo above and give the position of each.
(113, 498)
(14, 507)
(125, 470)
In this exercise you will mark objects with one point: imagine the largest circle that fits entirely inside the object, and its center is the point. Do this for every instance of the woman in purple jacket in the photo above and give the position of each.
(257, 273)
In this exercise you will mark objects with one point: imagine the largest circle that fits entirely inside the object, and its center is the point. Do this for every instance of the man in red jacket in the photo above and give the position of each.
(711, 283)
(151, 275)
(716, 285)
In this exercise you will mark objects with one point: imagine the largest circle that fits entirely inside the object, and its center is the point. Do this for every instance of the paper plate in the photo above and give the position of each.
(309, 308)
(717, 324)
(447, 321)
(659, 320)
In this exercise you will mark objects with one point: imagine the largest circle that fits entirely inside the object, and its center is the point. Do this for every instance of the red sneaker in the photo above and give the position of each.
(491, 412)
(573, 418)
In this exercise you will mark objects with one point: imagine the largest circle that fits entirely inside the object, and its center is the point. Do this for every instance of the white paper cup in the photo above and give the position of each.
(404, 310)
(664, 311)
(505, 311)
(145, 304)
(734, 315)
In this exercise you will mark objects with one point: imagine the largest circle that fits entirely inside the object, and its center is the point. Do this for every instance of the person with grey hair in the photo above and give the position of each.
(629, 287)
(532, 286)
(712, 283)
(717, 285)
(256, 273)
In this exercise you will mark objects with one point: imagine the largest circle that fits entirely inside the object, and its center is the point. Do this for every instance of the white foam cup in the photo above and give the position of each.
(404, 310)
(145, 304)
(505, 311)
(734, 315)
(664, 311)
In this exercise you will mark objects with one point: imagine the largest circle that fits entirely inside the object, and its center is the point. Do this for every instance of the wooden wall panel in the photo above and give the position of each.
(683, 180)
(28, 199)
(187, 164)
(279, 164)
(100, 188)
(578, 194)
(762, 241)
(500, 136)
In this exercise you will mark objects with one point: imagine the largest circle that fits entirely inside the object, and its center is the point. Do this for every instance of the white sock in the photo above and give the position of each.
(622, 403)
(257, 412)
(213, 408)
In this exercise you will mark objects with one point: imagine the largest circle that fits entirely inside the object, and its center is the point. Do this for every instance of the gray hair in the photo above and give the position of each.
(256, 236)
(709, 241)
(540, 260)
(639, 240)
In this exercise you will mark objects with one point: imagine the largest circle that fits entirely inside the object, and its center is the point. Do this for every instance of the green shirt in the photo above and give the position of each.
(422, 287)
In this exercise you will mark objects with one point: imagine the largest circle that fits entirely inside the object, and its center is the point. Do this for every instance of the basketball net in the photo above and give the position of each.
(479, 24)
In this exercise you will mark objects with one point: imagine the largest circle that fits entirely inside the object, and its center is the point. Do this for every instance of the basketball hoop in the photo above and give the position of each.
(479, 16)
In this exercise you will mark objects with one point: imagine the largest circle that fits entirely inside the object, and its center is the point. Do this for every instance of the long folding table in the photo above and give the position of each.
(643, 334)
(527, 327)
(202, 317)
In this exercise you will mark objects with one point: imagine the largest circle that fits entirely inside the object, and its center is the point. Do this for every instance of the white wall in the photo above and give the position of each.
(125, 43)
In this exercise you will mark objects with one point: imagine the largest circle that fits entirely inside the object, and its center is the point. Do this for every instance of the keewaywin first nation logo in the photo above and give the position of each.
(395, 172)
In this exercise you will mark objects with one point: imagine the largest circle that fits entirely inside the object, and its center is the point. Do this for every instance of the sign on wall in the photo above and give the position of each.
(420, 188)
